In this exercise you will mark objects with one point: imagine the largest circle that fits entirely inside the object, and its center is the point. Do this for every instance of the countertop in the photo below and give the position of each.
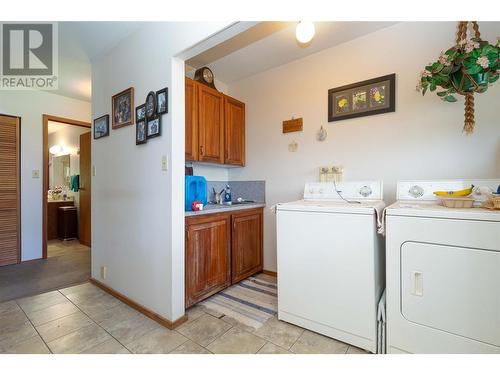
(217, 208)
(61, 201)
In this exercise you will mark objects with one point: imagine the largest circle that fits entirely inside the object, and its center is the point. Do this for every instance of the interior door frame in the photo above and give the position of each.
(18, 135)
(46, 119)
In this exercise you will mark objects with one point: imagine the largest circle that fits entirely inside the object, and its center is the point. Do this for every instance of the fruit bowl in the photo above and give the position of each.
(457, 202)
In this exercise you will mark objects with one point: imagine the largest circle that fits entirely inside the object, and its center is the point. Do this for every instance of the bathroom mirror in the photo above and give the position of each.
(59, 171)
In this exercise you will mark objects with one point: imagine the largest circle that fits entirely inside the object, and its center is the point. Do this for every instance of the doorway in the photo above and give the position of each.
(66, 188)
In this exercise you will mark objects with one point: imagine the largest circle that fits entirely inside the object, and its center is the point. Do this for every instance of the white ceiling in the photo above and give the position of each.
(280, 47)
(268, 45)
(79, 44)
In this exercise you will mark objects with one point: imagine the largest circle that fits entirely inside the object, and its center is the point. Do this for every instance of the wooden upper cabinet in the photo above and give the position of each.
(234, 131)
(191, 92)
(210, 125)
(208, 255)
(246, 249)
(215, 126)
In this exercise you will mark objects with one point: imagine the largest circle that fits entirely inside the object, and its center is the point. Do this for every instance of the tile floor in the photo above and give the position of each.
(84, 319)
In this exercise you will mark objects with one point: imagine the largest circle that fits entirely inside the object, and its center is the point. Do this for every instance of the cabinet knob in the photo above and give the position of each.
(201, 150)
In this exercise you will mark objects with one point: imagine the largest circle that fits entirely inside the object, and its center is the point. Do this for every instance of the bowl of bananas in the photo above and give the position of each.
(456, 199)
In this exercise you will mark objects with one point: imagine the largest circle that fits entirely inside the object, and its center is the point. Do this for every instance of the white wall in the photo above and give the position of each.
(136, 207)
(422, 140)
(30, 106)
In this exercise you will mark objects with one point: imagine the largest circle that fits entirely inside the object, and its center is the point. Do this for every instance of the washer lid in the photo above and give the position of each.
(434, 209)
(366, 207)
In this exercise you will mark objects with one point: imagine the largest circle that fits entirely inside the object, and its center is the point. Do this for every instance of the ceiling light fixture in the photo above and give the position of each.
(304, 32)
(56, 149)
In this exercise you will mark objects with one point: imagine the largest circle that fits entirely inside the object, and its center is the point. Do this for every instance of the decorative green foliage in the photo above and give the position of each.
(469, 66)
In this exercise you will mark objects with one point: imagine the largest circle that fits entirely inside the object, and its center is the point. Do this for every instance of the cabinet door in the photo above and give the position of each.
(207, 256)
(191, 93)
(235, 131)
(246, 249)
(10, 208)
(210, 125)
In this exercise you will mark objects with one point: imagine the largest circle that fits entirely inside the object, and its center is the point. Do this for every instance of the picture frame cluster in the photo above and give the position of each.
(146, 116)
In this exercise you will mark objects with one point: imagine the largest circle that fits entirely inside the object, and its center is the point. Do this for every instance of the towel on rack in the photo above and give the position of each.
(74, 183)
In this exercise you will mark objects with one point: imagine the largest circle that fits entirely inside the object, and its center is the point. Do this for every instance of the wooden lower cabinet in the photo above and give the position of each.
(52, 217)
(246, 249)
(208, 256)
(221, 249)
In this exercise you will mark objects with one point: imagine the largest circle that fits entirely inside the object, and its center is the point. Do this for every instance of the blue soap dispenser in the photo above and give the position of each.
(227, 195)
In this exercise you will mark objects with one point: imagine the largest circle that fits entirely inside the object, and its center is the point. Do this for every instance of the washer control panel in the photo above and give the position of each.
(369, 190)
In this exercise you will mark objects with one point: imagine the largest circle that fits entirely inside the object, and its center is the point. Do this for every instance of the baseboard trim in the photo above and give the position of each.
(270, 273)
(143, 310)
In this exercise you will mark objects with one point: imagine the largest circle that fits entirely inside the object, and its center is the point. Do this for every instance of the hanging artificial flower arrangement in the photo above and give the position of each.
(466, 68)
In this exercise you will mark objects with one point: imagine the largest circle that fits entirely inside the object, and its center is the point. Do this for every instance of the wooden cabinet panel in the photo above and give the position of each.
(85, 190)
(235, 131)
(9, 191)
(207, 256)
(246, 249)
(52, 217)
(191, 92)
(210, 125)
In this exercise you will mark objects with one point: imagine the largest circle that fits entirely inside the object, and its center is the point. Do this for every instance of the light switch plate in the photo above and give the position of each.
(35, 173)
(164, 163)
(93, 170)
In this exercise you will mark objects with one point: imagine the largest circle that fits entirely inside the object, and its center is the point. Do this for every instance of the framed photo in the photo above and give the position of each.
(140, 112)
(365, 98)
(123, 108)
(154, 127)
(150, 105)
(141, 132)
(101, 127)
(162, 101)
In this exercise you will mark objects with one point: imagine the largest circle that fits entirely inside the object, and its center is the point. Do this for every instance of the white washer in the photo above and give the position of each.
(443, 272)
(331, 261)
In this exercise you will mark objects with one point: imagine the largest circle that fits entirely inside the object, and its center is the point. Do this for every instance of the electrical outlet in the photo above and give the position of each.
(164, 163)
(35, 173)
(104, 272)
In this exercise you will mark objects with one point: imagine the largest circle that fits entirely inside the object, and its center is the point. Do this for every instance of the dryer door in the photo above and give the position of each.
(453, 289)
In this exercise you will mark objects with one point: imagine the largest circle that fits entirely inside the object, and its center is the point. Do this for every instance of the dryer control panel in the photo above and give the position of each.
(423, 190)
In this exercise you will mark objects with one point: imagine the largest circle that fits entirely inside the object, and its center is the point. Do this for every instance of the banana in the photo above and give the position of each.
(458, 193)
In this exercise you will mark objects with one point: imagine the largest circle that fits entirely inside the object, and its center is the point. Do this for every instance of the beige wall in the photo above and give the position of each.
(421, 140)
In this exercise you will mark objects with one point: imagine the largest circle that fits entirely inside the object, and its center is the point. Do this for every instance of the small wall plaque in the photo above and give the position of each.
(293, 125)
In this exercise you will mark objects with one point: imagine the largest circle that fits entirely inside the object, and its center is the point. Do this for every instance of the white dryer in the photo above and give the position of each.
(331, 261)
(443, 272)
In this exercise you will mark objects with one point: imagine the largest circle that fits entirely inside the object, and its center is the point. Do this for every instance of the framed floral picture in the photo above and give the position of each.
(365, 98)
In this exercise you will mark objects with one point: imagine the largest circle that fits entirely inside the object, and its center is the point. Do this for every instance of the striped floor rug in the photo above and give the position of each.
(251, 301)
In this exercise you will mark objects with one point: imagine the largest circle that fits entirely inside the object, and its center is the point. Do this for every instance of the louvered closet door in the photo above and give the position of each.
(9, 190)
